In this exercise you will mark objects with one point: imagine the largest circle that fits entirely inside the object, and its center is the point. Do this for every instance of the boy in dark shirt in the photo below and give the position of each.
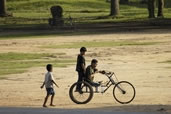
(80, 67)
(90, 71)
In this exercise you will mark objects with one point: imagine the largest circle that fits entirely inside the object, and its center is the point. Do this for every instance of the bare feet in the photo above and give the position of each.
(52, 105)
(44, 106)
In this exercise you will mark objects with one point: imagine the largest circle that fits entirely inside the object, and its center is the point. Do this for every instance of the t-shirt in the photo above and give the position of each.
(80, 61)
(48, 80)
(89, 72)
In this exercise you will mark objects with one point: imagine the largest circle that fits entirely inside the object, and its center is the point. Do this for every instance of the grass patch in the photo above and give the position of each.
(12, 63)
(168, 61)
(99, 44)
(21, 56)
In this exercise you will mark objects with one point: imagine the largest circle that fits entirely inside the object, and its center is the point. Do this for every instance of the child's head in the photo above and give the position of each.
(83, 50)
(49, 67)
(94, 63)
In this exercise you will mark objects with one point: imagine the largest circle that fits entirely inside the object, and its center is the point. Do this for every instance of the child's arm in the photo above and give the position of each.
(42, 85)
(55, 83)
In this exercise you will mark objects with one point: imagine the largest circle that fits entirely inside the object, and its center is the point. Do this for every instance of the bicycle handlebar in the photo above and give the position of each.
(106, 72)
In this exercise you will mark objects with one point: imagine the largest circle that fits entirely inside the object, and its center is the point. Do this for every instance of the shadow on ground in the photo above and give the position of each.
(139, 108)
(40, 30)
(125, 109)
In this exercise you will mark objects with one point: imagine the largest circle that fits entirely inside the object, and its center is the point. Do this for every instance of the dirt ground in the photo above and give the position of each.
(141, 65)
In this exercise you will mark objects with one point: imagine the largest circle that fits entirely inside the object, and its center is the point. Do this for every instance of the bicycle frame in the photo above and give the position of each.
(111, 82)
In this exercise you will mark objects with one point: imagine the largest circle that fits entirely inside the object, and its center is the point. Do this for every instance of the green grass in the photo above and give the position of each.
(37, 11)
(31, 16)
(12, 63)
(99, 44)
(20, 56)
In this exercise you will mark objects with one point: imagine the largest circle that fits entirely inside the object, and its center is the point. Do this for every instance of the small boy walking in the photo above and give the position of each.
(48, 82)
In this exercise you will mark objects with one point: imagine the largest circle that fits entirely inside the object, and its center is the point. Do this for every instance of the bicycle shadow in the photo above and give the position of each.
(139, 108)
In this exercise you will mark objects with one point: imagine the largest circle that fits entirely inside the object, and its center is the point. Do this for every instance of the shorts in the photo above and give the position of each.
(50, 91)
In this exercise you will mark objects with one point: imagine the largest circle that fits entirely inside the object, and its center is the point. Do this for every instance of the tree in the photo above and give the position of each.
(151, 8)
(160, 8)
(114, 9)
(2, 8)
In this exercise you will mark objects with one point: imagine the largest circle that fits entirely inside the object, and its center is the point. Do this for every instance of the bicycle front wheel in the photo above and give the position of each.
(124, 92)
(82, 96)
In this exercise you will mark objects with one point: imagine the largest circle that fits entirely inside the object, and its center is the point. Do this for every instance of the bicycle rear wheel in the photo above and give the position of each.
(124, 92)
(82, 96)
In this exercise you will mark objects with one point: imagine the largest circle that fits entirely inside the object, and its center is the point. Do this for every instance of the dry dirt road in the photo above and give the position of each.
(139, 64)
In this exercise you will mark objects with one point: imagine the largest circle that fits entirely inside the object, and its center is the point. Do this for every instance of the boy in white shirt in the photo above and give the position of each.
(49, 81)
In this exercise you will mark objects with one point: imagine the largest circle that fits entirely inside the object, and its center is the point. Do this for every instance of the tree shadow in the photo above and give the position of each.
(40, 30)
(138, 4)
(138, 108)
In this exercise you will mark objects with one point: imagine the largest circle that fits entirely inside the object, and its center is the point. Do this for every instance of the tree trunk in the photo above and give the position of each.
(151, 8)
(160, 8)
(2, 8)
(114, 10)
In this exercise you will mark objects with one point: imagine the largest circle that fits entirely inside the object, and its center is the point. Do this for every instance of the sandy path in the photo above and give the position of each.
(137, 64)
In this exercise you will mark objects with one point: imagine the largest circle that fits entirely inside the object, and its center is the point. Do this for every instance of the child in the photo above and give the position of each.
(49, 81)
(80, 67)
(90, 71)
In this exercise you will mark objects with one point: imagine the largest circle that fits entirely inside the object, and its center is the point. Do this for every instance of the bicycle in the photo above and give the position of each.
(123, 91)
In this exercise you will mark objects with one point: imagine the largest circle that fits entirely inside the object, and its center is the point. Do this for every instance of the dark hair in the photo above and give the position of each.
(83, 49)
(49, 67)
(94, 61)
